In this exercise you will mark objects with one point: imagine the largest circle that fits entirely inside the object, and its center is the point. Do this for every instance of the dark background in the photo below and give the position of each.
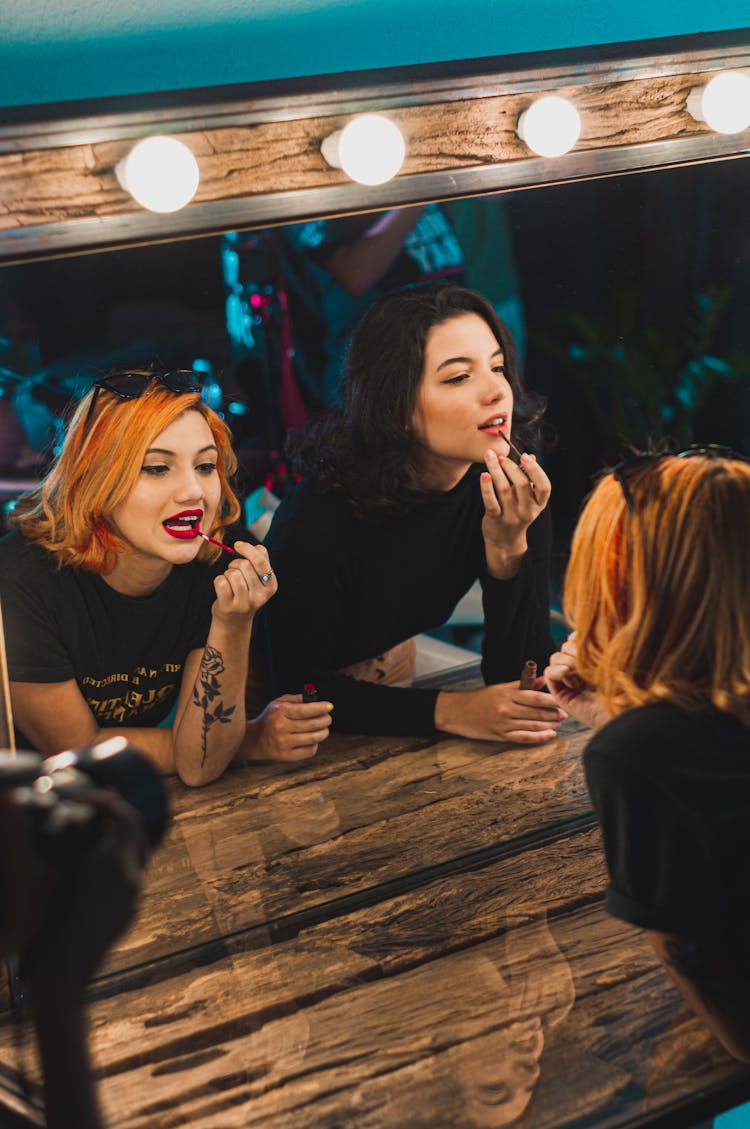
(632, 255)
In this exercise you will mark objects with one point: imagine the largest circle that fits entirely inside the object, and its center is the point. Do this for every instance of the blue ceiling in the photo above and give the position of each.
(54, 50)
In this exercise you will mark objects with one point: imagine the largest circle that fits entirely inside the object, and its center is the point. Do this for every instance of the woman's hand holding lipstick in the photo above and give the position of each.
(514, 495)
(212, 727)
(246, 585)
(503, 711)
(568, 689)
(527, 680)
(289, 729)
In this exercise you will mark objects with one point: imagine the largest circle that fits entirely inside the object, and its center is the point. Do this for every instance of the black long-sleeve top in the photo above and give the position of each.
(671, 788)
(351, 587)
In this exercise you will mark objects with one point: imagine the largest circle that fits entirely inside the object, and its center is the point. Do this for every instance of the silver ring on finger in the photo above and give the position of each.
(266, 576)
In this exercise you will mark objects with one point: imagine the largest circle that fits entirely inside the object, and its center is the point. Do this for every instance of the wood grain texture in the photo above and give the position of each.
(258, 145)
(500, 996)
(53, 185)
(400, 934)
(265, 842)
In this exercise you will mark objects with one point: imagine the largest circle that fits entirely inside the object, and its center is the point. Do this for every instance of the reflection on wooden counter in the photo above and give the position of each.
(263, 843)
(401, 933)
(501, 995)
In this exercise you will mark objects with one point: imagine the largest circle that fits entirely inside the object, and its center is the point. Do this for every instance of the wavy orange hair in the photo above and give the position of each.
(69, 512)
(660, 597)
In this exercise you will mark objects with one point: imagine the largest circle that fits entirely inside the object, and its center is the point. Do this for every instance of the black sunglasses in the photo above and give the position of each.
(626, 468)
(131, 385)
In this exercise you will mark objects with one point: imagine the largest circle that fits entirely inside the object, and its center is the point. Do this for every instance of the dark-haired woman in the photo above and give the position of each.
(410, 495)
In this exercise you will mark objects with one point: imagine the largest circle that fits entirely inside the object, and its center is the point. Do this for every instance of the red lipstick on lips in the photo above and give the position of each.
(185, 525)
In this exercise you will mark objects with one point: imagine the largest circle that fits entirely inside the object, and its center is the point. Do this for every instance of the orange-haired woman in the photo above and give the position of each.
(658, 590)
(118, 613)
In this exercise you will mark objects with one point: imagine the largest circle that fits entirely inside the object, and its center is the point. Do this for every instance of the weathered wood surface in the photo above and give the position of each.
(503, 995)
(265, 842)
(51, 185)
(399, 933)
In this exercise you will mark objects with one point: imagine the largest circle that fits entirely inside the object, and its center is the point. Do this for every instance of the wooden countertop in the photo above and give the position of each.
(403, 932)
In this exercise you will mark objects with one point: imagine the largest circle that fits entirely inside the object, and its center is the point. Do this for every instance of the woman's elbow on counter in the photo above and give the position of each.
(198, 775)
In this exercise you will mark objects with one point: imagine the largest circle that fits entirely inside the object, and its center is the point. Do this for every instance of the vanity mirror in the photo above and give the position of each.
(260, 158)
(634, 292)
(262, 860)
(259, 148)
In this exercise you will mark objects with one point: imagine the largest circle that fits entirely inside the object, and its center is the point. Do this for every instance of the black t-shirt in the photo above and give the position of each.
(321, 307)
(125, 653)
(672, 791)
(352, 587)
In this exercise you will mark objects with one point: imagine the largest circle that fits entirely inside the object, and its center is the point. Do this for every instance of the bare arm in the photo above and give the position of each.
(714, 982)
(56, 716)
(210, 727)
(210, 718)
(359, 265)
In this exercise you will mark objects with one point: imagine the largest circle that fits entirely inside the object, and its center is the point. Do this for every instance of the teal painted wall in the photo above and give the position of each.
(54, 50)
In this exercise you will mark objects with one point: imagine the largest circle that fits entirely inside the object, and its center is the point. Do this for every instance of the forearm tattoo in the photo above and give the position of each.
(206, 691)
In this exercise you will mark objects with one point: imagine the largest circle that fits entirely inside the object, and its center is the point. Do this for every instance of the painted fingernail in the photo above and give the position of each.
(329, 706)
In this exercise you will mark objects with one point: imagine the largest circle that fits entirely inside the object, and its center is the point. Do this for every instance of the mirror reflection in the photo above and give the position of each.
(272, 320)
(627, 298)
(627, 302)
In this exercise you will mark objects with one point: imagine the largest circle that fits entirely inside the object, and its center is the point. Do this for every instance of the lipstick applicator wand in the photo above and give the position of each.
(513, 446)
(200, 533)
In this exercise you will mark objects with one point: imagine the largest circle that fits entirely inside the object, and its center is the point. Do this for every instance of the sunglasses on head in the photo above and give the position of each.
(131, 385)
(628, 467)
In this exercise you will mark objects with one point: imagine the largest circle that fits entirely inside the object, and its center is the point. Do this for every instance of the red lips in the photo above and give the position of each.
(184, 525)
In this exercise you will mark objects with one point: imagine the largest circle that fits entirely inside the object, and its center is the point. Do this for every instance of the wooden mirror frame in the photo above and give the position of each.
(258, 146)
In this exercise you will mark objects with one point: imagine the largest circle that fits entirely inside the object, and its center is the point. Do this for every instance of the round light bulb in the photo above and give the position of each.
(551, 126)
(370, 149)
(160, 173)
(723, 103)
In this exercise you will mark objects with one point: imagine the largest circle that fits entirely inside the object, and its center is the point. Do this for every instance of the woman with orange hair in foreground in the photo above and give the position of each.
(658, 591)
(119, 613)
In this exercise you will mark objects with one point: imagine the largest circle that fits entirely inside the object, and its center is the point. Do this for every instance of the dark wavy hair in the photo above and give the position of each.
(367, 447)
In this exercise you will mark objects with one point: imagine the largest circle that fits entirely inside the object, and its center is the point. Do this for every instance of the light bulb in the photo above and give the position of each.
(160, 173)
(723, 103)
(550, 127)
(370, 149)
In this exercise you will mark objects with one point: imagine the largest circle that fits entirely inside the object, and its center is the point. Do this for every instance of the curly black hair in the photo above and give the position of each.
(366, 447)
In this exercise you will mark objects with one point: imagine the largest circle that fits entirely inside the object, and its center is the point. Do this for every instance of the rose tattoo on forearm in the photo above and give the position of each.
(207, 691)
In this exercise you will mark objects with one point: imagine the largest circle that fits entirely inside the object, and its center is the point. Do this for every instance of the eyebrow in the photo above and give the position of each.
(465, 360)
(166, 451)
